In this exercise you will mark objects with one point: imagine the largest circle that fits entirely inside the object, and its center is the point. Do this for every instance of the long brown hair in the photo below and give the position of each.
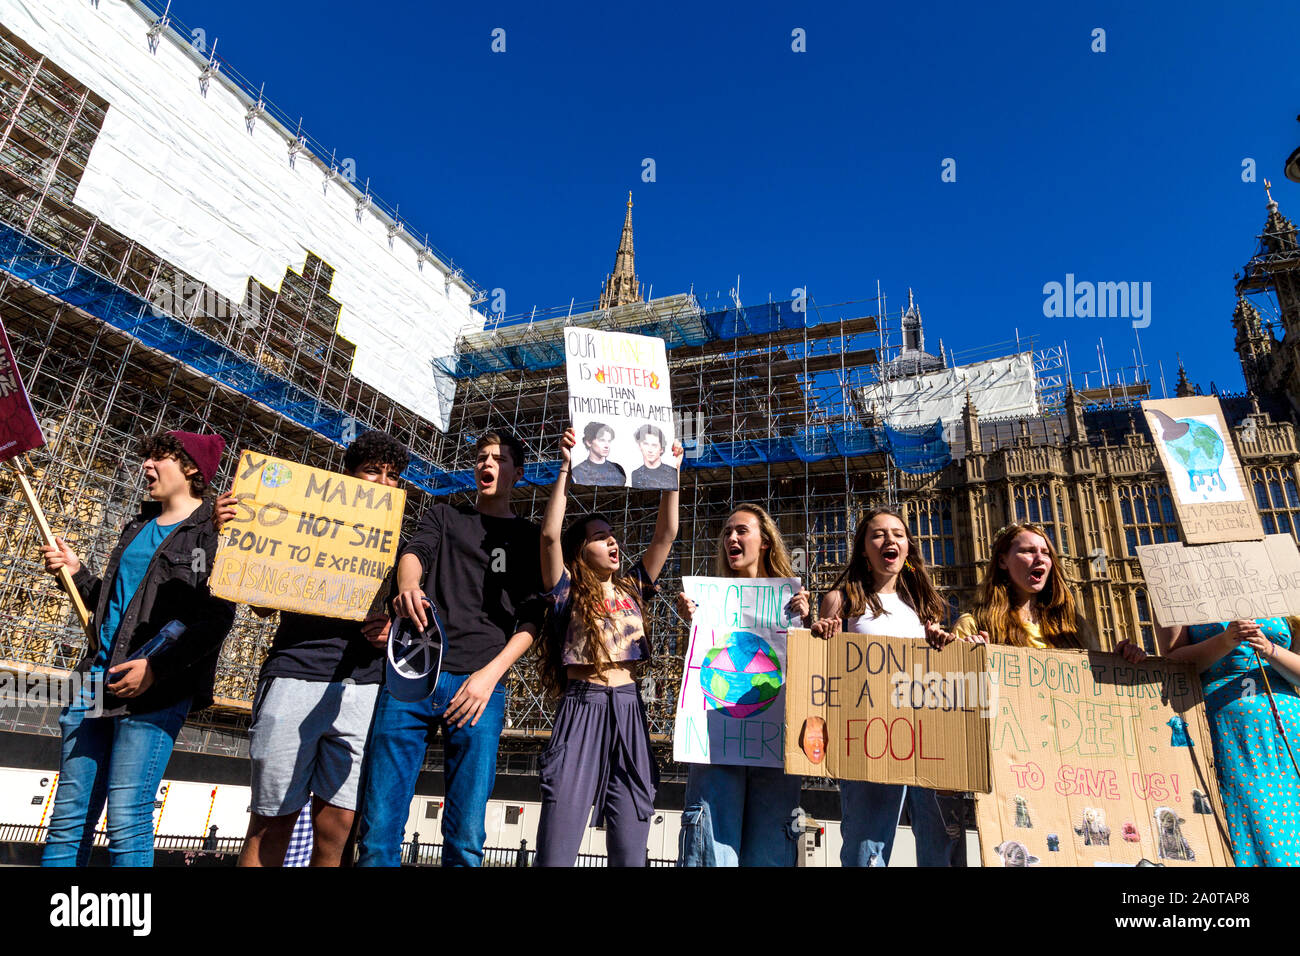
(858, 584)
(774, 562)
(1058, 617)
(586, 608)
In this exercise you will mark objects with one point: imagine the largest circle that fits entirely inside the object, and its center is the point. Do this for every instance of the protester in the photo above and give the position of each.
(315, 699)
(478, 567)
(1023, 599)
(596, 468)
(595, 637)
(1249, 674)
(736, 815)
(885, 590)
(157, 632)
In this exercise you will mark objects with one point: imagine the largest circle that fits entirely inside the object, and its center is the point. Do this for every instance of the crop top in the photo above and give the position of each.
(624, 629)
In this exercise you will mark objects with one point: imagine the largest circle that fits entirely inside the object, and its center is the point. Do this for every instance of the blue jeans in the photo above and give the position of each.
(869, 819)
(120, 759)
(394, 754)
(739, 816)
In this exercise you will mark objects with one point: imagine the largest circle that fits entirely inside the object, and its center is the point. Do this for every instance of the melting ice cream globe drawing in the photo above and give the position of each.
(1195, 447)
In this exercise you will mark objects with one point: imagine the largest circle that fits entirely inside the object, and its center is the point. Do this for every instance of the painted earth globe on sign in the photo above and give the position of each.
(742, 676)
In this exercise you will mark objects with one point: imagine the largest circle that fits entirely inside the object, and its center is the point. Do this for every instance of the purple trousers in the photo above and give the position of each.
(600, 758)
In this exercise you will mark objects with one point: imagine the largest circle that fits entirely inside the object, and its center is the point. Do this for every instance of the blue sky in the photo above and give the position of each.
(819, 168)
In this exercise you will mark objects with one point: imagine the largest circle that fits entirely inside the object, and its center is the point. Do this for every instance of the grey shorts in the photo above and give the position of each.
(308, 737)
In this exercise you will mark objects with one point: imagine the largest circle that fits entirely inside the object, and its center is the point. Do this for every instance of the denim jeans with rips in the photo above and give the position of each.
(739, 816)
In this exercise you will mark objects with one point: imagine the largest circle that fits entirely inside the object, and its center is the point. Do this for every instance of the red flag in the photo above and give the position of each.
(19, 430)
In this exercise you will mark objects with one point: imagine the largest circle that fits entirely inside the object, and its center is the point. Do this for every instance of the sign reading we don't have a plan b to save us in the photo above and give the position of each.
(307, 540)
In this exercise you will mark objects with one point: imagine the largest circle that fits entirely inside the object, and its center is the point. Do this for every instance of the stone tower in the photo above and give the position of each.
(621, 286)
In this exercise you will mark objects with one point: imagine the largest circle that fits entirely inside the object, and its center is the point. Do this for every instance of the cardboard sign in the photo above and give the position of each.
(1211, 495)
(307, 540)
(19, 430)
(1098, 762)
(732, 705)
(887, 709)
(1209, 583)
(620, 406)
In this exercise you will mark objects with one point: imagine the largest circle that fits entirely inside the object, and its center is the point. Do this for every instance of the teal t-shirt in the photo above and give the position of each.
(130, 572)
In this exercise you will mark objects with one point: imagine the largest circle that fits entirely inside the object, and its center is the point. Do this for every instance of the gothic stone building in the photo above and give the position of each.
(1092, 476)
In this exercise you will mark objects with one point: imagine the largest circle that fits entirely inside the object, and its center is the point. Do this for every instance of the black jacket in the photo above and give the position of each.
(171, 590)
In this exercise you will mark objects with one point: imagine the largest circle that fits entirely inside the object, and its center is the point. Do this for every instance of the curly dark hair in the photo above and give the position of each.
(166, 445)
(376, 448)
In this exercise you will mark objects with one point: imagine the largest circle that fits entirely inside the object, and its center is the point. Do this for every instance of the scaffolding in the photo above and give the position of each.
(769, 399)
(114, 343)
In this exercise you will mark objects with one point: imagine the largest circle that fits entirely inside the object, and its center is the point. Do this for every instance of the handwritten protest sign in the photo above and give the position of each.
(620, 406)
(1098, 762)
(732, 704)
(887, 709)
(307, 540)
(19, 430)
(1209, 583)
(1210, 492)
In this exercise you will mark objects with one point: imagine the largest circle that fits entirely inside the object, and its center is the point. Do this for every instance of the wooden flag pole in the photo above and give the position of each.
(65, 576)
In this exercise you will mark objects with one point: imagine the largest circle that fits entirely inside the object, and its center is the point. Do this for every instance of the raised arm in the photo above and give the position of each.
(665, 534)
(553, 519)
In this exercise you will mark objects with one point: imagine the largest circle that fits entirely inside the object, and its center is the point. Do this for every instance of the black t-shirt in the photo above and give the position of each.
(311, 647)
(587, 472)
(664, 477)
(484, 575)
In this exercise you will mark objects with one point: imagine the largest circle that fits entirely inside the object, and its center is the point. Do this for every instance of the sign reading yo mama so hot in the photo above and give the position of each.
(307, 540)
(732, 704)
(621, 409)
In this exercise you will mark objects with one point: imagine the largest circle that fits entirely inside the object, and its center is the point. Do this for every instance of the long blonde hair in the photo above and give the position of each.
(1058, 617)
(858, 584)
(773, 562)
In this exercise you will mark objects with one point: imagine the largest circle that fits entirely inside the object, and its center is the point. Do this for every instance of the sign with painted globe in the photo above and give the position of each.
(1211, 497)
(742, 676)
(732, 704)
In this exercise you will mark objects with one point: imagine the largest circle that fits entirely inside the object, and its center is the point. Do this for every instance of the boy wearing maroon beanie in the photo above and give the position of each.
(157, 632)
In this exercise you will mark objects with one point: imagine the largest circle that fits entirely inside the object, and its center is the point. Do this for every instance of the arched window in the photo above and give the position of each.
(1033, 504)
(1147, 515)
(1277, 499)
(1144, 621)
(930, 522)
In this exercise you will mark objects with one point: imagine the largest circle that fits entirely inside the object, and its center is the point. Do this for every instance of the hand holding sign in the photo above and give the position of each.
(303, 539)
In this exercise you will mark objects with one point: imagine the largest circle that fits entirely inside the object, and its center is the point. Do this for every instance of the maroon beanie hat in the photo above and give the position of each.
(205, 450)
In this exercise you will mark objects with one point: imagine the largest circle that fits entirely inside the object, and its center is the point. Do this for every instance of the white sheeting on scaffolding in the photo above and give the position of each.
(182, 174)
(1000, 387)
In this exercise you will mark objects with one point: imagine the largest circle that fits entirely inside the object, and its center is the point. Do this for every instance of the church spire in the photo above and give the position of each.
(621, 286)
(1279, 231)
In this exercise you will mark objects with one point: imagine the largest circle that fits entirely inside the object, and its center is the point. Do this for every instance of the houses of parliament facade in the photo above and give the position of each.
(1091, 476)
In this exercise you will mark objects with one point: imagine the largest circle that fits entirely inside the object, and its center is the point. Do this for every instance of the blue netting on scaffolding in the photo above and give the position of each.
(676, 331)
(915, 452)
(57, 275)
(919, 451)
